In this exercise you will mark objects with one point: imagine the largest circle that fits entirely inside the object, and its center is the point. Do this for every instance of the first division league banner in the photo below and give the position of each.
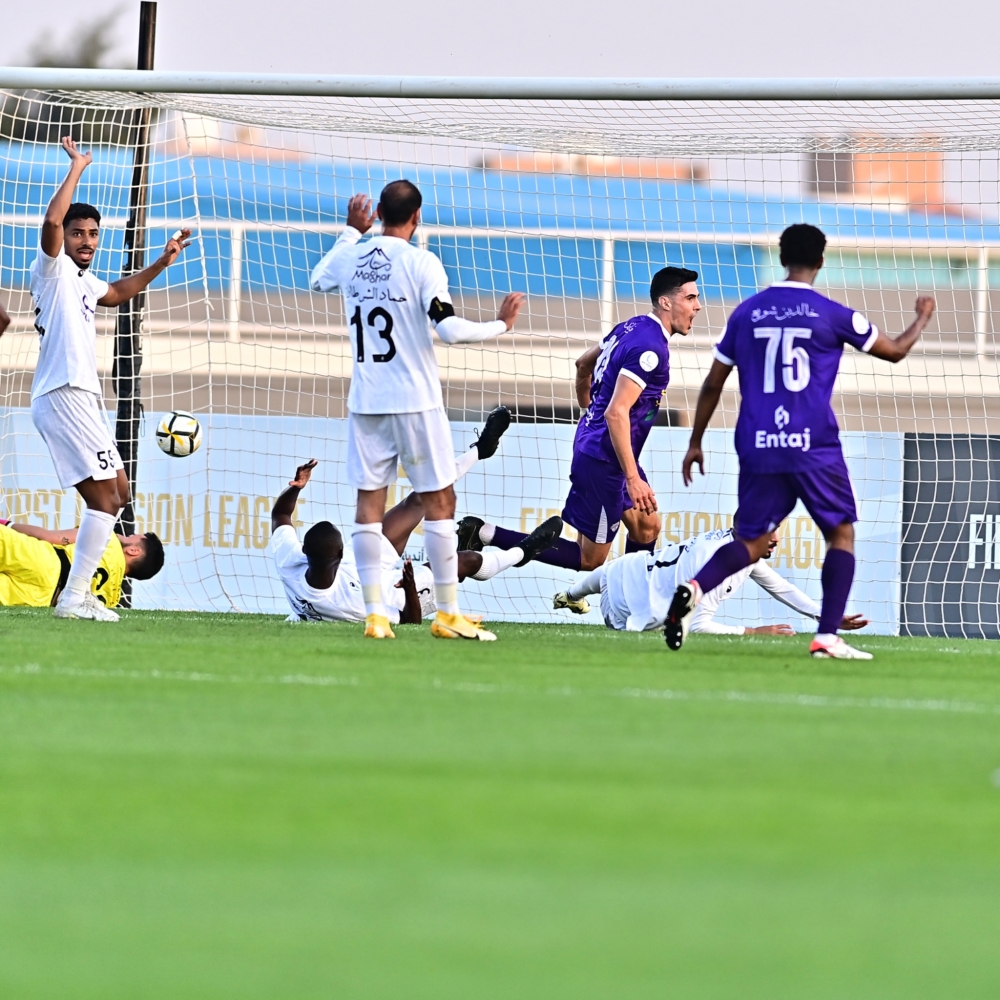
(212, 511)
(951, 536)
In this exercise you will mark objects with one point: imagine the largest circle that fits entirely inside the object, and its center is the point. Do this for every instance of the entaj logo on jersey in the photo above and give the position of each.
(782, 418)
(374, 267)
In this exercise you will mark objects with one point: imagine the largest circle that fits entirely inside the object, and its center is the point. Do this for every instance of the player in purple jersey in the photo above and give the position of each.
(787, 342)
(620, 383)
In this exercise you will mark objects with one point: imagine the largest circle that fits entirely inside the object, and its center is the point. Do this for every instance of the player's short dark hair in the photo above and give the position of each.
(667, 280)
(152, 555)
(81, 210)
(398, 201)
(802, 245)
(323, 542)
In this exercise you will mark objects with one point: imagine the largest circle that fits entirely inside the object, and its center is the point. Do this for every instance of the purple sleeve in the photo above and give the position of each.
(853, 328)
(725, 350)
(640, 363)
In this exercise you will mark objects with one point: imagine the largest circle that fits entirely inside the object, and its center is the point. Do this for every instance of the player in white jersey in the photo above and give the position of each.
(322, 584)
(66, 404)
(396, 295)
(636, 589)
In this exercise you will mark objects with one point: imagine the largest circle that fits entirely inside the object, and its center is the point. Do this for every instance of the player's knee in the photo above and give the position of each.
(590, 561)
(841, 537)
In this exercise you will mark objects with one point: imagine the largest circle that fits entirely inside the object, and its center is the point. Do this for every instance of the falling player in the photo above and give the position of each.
(321, 585)
(66, 404)
(394, 294)
(787, 342)
(619, 383)
(36, 562)
(636, 590)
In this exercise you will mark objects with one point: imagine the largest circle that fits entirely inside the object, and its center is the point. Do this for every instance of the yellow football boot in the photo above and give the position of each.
(378, 627)
(447, 626)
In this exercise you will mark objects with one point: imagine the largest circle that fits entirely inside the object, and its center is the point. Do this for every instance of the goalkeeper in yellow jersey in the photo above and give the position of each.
(35, 563)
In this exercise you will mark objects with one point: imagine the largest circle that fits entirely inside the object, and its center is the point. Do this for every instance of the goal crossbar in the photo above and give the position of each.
(500, 88)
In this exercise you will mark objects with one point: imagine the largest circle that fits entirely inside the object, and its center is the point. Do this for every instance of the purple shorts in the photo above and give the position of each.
(597, 497)
(767, 498)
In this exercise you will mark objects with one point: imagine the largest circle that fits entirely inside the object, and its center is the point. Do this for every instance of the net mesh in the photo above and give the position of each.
(577, 204)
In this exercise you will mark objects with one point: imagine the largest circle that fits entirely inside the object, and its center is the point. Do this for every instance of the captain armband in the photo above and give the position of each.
(440, 310)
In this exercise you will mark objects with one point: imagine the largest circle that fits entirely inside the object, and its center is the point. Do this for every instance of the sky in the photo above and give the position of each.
(644, 38)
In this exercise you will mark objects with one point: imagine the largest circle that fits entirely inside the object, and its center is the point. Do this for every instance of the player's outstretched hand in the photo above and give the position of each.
(851, 622)
(360, 214)
(642, 495)
(83, 159)
(179, 241)
(695, 456)
(302, 473)
(408, 579)
(510, 307)
(925, 307)
(770, 630)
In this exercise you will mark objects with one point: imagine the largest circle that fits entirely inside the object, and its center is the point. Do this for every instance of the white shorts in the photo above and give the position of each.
(75, 429)
(421, 442)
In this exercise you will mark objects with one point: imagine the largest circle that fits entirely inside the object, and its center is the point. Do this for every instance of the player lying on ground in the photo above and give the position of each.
(321, 585)
(636, 590)
(35, 564)
(787, 342)
(66, 404)
(394, 293)
(620, 383)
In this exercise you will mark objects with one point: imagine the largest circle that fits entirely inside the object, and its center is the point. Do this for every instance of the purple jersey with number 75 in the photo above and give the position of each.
(787, 342)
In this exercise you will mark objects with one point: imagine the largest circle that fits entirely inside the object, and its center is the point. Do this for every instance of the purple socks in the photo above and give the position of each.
(837, 577)
(564, 553)
(730, 559)
(631, 546)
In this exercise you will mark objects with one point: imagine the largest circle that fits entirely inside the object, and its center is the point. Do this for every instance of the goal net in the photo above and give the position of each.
(576, 203)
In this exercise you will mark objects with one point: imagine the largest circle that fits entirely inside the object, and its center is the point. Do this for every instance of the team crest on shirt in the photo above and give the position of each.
(374, 267)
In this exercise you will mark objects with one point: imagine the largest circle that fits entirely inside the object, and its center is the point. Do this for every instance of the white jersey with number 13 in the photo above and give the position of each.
(388, 287)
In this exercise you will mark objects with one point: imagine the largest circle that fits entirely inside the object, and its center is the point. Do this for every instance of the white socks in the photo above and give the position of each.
(465, 462)
(590, 584)
(91, 541)
(367, 540)
(486, 533)
(497, 562)
(441, 548)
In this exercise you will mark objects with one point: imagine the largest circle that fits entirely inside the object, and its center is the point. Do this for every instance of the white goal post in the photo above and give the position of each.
(574, 191)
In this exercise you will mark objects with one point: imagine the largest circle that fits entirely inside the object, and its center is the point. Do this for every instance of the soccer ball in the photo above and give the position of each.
(178, 433)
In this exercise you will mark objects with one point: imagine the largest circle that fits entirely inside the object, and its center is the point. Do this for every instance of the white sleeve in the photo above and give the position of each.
(46, 266)
(285, 546)
(455, 330)
(703, 618)
(326, 274)
(778, 587)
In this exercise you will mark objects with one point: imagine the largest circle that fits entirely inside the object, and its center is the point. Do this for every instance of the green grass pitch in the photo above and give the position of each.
(197, 806)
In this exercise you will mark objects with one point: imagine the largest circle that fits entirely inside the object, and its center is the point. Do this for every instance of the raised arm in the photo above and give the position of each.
(585, 365)
(52, 225)
(708, 400)
(361, 217)
(894, 350)
(128, 287)
(453, 329)
(284, 506)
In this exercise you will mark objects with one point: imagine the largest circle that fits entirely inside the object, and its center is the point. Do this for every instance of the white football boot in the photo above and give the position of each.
(834, 648)
(563, 600)
(90, 608)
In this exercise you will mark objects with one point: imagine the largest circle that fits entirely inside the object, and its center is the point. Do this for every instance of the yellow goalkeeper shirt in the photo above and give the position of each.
(30, 570)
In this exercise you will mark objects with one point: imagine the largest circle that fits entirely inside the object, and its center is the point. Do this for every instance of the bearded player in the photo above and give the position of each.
(787, 342)
(637, 589)
(396, 296)
(66, 405)
(620, 383)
